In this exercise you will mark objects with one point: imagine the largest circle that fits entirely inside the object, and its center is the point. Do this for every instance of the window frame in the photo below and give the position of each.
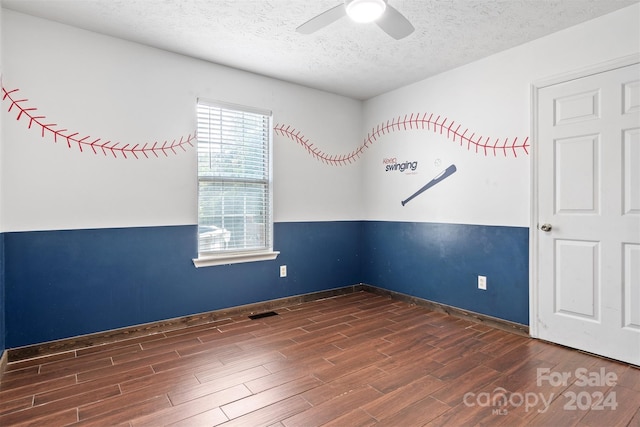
(224, 257)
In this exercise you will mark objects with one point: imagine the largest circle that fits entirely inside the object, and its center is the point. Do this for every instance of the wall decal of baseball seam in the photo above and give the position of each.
(35, 120)
(416, 121)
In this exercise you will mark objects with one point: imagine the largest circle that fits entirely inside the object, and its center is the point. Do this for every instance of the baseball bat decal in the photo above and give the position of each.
(440, 177)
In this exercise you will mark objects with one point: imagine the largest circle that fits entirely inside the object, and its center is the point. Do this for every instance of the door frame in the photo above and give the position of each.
(536, 86)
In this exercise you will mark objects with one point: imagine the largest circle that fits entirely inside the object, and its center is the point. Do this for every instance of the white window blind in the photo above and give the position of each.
(234, 180)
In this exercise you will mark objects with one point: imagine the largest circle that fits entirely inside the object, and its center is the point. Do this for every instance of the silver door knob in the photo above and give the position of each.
(545, 227)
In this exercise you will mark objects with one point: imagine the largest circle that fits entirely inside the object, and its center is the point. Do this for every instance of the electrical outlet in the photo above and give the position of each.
(482, 282)
(283, 271)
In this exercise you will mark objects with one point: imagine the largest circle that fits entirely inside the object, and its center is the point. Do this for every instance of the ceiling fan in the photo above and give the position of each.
(384, 15)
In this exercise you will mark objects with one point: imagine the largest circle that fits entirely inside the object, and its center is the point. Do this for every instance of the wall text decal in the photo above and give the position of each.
(19, 106)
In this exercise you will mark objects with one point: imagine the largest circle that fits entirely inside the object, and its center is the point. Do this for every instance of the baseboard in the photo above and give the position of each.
(121, 334)
(493, 322)
(76, 343)
(4, 359)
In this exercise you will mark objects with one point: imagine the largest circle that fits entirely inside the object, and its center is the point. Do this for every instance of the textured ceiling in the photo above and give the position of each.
(355, 60)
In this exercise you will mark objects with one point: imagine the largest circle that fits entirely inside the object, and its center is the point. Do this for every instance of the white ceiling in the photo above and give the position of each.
(355, 60)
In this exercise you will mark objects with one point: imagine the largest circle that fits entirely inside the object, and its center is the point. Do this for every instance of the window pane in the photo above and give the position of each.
(233, 216)
(234, 203)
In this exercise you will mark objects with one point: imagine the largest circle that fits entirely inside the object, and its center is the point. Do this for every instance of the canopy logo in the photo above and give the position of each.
(391, 164)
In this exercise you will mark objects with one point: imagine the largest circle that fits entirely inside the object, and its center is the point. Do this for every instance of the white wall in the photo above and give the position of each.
(1, 133)
(120, 91)
(490, 97)
(115, 90)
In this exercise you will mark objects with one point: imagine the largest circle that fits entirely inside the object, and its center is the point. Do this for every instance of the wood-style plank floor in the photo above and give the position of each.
(353, 360)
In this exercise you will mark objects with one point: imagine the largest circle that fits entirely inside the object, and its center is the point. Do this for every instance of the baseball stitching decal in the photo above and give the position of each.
(416, 121)
(19, 105)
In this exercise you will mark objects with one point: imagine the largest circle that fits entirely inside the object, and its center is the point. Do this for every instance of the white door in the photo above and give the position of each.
(588, 213)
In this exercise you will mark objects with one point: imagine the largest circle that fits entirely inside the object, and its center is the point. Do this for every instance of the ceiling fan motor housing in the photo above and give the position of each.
(365, 10)
(388, 18)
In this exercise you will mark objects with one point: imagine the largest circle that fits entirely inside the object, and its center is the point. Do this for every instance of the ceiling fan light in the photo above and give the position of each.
(365, 10)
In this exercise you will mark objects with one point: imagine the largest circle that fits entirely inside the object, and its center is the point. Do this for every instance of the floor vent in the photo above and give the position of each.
(261, 315)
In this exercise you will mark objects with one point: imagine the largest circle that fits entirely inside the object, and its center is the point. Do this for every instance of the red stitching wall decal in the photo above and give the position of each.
(335, 160)
(96, 145)
(481, 144)
(486, 145)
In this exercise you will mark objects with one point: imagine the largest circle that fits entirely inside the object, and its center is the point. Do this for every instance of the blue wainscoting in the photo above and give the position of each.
(2, 298)
(441, 262)
(61, 284)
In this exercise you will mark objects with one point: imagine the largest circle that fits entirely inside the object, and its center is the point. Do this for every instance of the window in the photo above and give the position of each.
(234, 184)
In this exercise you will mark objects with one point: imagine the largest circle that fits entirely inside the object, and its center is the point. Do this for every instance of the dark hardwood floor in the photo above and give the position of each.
(352, 360)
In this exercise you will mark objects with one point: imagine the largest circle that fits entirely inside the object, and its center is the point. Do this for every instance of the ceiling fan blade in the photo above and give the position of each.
(325, 18)
(394, 23)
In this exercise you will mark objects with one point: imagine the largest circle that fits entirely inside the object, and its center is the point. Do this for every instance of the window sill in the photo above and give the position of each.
(209, 261)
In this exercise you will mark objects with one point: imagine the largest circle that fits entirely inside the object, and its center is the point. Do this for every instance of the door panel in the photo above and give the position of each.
(631, 172)
(577, 108)
(588, 180)
(577, 285)
(632, 286)
(577, 158)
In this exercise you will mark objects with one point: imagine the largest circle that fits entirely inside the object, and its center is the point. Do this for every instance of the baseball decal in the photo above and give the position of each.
(48, 129)
(472, 141)
(436, 180)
